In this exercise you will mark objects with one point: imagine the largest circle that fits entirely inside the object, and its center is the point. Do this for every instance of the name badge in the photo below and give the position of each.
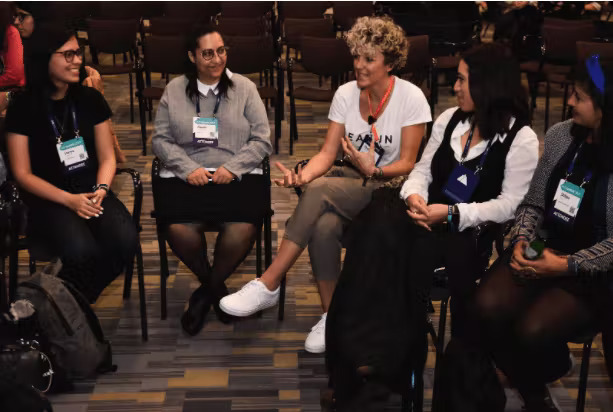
(73, 153)
(206, 131)
(566, 202)
(365, 148)
(461, 184)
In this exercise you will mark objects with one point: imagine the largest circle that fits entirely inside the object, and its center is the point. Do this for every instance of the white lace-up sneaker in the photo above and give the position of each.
(250, 299)
(316, 341)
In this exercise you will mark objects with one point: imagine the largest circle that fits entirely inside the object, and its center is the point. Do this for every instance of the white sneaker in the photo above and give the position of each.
(316, 341)
(250, 299)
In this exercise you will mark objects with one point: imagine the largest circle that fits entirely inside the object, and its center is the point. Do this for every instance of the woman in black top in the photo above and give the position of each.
(61, 154)
(531, 308)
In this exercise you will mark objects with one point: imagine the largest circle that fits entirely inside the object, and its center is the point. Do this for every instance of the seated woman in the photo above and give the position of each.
(211, 127)
(531, 305)
(377, 104)
(475, 168)
(61, 154)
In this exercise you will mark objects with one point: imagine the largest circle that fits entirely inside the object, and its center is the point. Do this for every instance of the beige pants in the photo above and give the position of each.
(324, 211)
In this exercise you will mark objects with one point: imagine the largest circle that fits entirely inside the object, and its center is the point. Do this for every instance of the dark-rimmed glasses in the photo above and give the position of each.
(208, 54)
(69, 55)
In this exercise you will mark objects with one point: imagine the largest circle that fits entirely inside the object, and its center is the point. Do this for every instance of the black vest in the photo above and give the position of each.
(491, 176)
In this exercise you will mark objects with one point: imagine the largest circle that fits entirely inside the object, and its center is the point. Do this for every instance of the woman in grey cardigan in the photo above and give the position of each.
(534, 301)
(211, 131)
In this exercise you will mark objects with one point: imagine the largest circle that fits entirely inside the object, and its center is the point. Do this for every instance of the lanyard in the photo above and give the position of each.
(372, 118)
(217, 101)
(571, 167)
(55, 123)
(467, 148)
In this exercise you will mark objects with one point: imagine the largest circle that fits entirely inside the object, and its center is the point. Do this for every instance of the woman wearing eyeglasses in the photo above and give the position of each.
(211, 133)
(12, 73)
(61, 153)
(554, 284)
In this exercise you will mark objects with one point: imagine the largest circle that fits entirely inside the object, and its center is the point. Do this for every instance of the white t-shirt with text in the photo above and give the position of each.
(407, 106)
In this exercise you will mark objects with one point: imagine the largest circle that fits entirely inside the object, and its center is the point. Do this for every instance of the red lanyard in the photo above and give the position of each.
(373, 117)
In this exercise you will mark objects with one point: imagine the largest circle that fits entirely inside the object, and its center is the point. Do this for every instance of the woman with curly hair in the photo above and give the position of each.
(379, 121)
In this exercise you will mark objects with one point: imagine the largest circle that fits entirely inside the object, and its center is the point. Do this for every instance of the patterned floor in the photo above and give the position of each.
(258, 364)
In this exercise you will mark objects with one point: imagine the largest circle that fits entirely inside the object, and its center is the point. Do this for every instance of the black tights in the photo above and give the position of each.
(526, 325)
(234, 242)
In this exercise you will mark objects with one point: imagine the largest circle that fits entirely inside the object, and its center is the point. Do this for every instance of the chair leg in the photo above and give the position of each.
(585, 369)
(258, 252)
(150, 108)
(417, 392)
(547, 87)
(3, 296)
(32, 266)
(406, 404)
(279, 109)
(440, 346)
(131, 98)
(127, 282)
(282, 298)
(13, 274)
(163, 270)
(140, 270)
(143, 122)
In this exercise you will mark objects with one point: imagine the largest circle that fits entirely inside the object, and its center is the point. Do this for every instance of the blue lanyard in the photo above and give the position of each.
(571, 167)
(55, 123)
(217, 101)
(467, 148)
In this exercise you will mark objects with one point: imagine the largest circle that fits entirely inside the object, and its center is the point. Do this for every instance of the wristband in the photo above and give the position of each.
(450, 218)
(102, 186)
(379, 172)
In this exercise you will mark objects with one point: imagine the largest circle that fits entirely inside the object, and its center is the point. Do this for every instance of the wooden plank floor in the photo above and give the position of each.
(257, 364)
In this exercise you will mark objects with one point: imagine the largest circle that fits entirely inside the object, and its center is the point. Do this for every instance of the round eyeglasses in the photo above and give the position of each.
(208, 54)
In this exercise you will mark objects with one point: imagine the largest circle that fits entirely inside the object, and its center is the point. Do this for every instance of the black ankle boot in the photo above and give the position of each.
(195, 315)
(221, 315)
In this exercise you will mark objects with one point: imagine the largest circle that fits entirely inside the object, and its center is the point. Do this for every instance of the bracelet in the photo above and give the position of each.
(102, 186)
(379, 172)
(450, 218)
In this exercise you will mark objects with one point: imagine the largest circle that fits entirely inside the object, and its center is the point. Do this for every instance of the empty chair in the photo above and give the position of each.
(253, 26)
(346, 12)
(202, 11)
(302, 9)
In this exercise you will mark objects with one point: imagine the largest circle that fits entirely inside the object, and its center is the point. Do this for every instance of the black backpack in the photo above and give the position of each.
(69, 329)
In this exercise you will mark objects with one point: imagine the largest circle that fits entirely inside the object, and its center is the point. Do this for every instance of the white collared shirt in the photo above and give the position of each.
(519, 167)
(204, 88)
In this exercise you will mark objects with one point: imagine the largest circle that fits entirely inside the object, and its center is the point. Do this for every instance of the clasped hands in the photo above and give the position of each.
(549, 264)
(425, 215)
(86, 205)
(201, 176)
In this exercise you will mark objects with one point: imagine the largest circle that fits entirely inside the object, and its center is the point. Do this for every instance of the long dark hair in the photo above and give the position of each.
(191, 71)
(496, 89)
(43, 44)
(603, 137)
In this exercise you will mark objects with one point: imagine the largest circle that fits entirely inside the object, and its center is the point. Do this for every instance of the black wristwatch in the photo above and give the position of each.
(455, 216)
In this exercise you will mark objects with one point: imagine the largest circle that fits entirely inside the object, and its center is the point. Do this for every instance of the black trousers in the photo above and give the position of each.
(458, 253)
(93, 251)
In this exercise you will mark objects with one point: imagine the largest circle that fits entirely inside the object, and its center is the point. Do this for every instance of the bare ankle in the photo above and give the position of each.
(271, 286)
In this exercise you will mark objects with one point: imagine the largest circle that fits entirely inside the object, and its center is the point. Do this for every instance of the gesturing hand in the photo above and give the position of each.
(83, 205)
(365, 162)
(199, 177)
(223, 176)
(290, 178)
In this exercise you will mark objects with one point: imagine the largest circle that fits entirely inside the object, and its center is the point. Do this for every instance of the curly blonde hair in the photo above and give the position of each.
(371, 34)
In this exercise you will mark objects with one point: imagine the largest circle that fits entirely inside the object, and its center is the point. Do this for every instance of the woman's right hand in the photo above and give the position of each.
(290, 178)
(199, 177)
(418, 210)
(83, 205)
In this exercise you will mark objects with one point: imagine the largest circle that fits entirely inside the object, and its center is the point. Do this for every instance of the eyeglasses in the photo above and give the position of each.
(69, 55)
(21, 15)
(208, 54)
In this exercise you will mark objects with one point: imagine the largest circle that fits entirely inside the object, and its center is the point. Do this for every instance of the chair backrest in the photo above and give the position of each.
(586, 49)
(557, 22)
(249, 54)
(419, 61)
(71, 12)
(194, 10)
(165, 54)
(302, 9)
(603, 30)
(296, 28)
(245, 9)
(325, 56)
(166, 26)
(114, 10)
(560, 42)
(112, 36)
(347, 12)
(253, 26)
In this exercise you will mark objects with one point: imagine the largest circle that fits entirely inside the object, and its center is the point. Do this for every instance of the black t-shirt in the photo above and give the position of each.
(28, 115)
(585, 231)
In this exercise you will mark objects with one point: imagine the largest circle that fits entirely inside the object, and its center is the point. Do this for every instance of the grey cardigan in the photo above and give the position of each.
(530, 213)
(244, 134)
